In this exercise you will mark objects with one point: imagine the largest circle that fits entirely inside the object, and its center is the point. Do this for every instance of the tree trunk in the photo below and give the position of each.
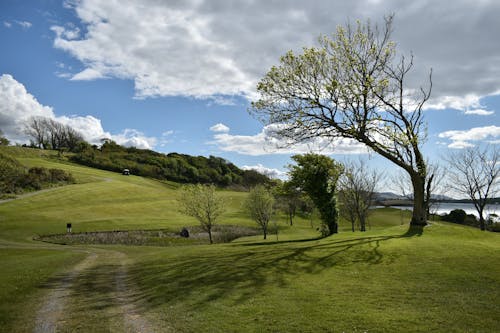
(265, 232)
(420, 204)
(482, 223)
(210, 235)
(362, 223)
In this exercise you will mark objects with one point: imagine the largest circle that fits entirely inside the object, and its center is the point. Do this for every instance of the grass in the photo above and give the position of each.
(374, 282)
(23, 271)
(446, 279)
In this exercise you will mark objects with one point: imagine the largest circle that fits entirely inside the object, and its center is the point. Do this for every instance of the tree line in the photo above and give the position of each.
(175, 167)
(47, 133)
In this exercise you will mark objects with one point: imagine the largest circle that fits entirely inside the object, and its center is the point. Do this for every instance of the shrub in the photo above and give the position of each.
(455, 216)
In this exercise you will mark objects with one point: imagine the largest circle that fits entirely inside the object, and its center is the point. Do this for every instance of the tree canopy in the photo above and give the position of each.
(317, 175)
(204, 204)
(353, 85)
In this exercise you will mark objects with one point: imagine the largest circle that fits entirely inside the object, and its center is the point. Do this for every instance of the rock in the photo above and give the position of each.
(184, 233)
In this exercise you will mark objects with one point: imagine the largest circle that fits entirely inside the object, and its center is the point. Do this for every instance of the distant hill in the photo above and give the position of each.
(173, 167)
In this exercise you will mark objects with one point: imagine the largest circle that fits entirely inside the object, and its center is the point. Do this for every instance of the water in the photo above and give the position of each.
(446, 207)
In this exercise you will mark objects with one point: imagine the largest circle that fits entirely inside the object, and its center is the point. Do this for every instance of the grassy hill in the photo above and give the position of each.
(446, 279)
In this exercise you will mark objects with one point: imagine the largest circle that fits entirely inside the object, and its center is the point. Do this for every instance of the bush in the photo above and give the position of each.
(11, 174)
(455, 216)
(14, 178)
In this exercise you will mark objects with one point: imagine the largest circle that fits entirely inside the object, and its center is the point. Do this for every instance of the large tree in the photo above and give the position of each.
(352, 86)
(317, 175)
(203, 203)
(475, 173)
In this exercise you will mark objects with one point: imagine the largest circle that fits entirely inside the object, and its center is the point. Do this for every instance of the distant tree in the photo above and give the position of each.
(260, 204)
(456, 216)
(317, 175)
(49, 133)
(203, 203)
(357, 187)
(3, 140)
(36, 129)
(351, 86)
(475, 172)
(288, 198)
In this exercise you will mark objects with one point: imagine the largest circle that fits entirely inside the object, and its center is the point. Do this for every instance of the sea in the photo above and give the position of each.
(441, 208)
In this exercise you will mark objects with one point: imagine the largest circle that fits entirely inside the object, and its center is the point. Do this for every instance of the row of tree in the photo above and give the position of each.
(314, 184)
(335, 189)
(175, 167)
(48, 133)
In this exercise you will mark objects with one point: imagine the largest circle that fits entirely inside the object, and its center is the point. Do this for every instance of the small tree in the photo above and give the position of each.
(357, 186)
(317, 175)
(203, 203)
(289, 199)
(260, 205)
(475, 172)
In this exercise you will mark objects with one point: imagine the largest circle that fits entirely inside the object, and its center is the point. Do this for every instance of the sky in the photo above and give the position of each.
(179, 75)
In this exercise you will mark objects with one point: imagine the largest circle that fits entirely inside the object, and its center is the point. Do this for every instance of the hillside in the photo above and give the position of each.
(174, 167)
(384, 280)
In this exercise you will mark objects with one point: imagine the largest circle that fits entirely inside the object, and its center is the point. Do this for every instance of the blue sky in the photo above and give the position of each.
(177, 76)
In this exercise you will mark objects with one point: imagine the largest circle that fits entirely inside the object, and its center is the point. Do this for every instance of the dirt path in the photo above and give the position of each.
(51, 312)
(95, 295)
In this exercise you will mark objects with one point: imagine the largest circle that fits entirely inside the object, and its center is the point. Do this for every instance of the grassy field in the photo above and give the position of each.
(446, 279)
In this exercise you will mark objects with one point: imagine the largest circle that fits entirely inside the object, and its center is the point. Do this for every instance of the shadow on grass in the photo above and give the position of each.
(244, 271)
(90, 297)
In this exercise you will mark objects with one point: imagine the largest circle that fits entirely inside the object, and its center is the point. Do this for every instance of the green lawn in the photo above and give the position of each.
(446, 279)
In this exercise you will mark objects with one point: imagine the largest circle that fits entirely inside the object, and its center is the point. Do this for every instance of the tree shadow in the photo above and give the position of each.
(240, 275)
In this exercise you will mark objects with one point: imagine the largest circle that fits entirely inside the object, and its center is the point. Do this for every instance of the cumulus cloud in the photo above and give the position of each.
(270, 172)
(203, 48)
(18, 105)
(219, 128)
(466, 138)
(266, 143)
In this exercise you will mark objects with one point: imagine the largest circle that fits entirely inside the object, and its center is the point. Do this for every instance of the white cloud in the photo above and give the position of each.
(462, 139)
(270, 172)
(479, 112)
(219, 128)
(69, 34)
(18, 105)
(7, 24)
(266, 143)
(134, 138)
(24, 24)
(204, 48)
